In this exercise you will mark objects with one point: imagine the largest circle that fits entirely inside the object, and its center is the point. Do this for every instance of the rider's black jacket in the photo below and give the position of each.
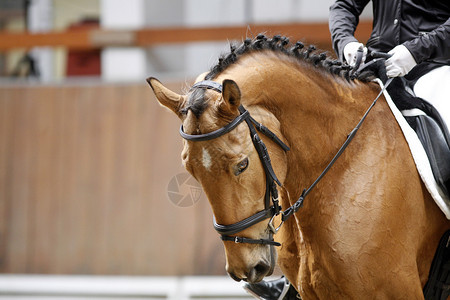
(422, 26)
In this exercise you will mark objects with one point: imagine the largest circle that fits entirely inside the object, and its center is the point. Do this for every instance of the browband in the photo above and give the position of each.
(208, 85)
(216, 133)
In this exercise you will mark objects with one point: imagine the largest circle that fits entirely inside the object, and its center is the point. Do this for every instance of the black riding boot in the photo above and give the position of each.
(279, 289)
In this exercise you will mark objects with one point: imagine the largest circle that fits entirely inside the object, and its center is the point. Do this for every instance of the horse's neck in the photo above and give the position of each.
(317, 121)
(315, 118)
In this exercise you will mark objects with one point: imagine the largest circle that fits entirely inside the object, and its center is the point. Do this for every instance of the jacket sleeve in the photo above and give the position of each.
(343, 19)
(431, 45)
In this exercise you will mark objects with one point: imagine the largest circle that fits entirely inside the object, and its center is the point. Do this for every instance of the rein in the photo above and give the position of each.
(271, 194)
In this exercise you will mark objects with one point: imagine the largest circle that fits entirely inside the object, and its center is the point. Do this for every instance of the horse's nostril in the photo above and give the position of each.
(262, 268)
(258, 272)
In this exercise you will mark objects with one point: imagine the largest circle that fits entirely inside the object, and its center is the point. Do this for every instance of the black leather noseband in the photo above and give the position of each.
(227, 232)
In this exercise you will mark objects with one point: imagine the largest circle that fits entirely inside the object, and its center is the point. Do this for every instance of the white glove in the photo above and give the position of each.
(400, 63)
(350, 51)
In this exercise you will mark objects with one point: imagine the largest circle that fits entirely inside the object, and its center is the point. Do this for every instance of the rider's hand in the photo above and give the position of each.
(350, 51)
(400, 63)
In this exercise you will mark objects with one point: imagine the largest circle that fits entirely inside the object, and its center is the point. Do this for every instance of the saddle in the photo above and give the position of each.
(429, 127)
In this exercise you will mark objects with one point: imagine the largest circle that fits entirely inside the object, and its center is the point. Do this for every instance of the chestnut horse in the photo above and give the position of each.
(368, 229)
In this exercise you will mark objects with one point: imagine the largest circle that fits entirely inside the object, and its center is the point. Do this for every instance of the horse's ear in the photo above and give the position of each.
(166, 97)
(231, 97)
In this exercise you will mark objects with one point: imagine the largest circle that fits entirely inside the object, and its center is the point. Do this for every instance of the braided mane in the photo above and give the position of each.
(282, 45)
(278, 44)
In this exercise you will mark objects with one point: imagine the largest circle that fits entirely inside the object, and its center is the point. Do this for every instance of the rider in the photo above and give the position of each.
(417, 34)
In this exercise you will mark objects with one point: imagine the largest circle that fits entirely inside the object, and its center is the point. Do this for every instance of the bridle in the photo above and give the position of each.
(271, 194)
(228, 232)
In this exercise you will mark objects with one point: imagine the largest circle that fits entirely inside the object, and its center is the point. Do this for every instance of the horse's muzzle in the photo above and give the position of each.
(254, 274)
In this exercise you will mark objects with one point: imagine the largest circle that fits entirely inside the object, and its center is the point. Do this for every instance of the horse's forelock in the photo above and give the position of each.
(196, 102)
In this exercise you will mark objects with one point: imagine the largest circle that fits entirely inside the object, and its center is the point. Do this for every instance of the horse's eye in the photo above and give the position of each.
(241, 166)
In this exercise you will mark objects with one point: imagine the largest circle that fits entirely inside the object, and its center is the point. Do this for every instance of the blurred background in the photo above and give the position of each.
(94, 201)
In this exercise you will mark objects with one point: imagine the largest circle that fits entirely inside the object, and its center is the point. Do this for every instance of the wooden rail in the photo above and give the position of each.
(317, 33)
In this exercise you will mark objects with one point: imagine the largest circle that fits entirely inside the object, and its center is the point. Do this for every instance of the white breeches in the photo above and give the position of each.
(434, 87)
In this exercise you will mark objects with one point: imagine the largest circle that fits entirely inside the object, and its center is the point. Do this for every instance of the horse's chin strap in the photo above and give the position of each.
(243, 240)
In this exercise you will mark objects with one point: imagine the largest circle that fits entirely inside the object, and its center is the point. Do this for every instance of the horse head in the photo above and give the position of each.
(230, 170)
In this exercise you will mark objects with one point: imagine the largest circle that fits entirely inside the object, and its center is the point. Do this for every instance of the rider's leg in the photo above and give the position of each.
(434, 87)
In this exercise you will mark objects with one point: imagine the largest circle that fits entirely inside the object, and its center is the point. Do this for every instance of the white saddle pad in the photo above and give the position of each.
(420, 157)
